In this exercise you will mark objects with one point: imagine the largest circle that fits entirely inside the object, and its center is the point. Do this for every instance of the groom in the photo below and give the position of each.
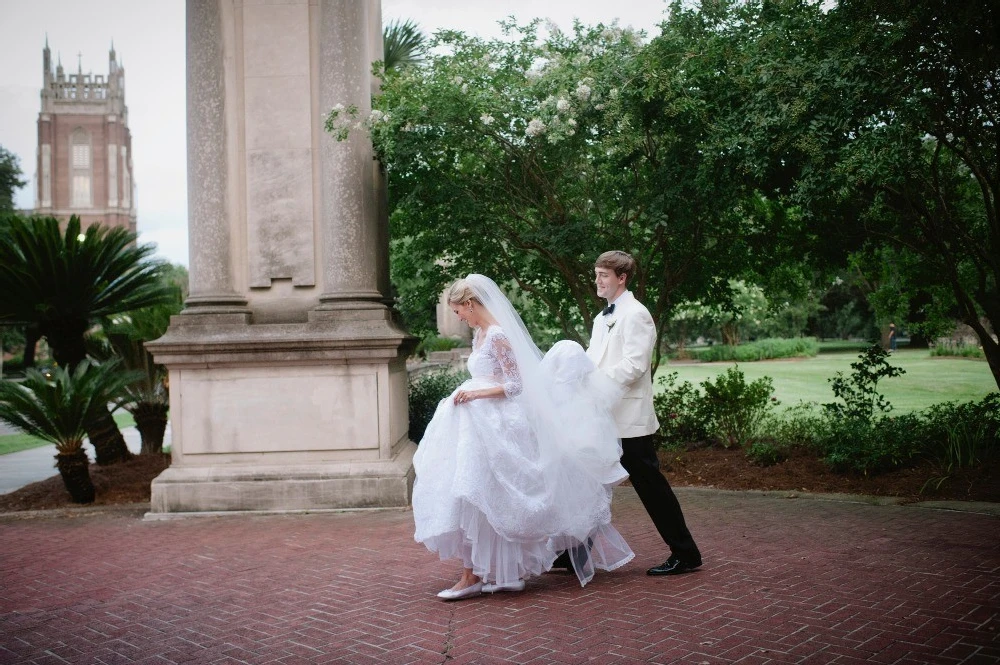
(621, 344)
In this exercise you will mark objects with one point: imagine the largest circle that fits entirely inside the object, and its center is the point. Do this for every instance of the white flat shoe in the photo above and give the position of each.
(489, 587)
(470, 591)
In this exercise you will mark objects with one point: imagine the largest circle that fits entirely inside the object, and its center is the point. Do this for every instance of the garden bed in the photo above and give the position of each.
(704, 467)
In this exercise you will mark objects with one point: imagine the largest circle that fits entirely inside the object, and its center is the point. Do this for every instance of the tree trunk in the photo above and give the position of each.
(31, 337)
(107, 439)
(75, 471)
(730, 334)
(151, 421)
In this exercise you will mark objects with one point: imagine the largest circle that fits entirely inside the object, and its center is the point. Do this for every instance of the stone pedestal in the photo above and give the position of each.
(288, 386)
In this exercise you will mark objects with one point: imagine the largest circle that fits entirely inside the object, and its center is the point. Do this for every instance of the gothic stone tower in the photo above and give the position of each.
(84, 162)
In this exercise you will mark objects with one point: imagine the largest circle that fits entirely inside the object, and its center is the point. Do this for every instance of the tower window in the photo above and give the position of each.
(80, 163)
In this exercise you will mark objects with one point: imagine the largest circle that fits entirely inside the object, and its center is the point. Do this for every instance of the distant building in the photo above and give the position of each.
(84, 163)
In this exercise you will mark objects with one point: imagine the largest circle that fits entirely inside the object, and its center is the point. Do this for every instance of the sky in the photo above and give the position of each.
(148, 37)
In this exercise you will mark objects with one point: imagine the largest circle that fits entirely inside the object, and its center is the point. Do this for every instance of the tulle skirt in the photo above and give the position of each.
(490, 495)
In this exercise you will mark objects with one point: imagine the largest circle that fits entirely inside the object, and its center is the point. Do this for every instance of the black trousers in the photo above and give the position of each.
(640, 460)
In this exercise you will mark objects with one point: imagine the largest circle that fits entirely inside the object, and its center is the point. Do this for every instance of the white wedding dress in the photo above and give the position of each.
(506, 484)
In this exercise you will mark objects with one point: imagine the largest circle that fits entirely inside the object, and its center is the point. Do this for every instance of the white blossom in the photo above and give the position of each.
(562, 105)
(377, 116)
(571, 122)
(532, 75)
(337, 108)
(535, 127)
(583, 92)
(458, 80)
(465, 88)
(486, 119)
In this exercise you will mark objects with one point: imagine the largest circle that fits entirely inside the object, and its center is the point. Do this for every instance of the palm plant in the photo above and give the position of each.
(146, 397)
(58, 409)
(402, 44)
(63, 283)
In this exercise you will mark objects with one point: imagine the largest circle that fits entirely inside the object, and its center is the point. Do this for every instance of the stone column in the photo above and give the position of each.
(288, 384)
(209, 192)
(349, 199)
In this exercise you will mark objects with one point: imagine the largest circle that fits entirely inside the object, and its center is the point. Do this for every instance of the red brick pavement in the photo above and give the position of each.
(784, 581)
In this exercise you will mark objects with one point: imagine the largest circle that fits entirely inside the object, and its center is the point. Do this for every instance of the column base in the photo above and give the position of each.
(230, 489)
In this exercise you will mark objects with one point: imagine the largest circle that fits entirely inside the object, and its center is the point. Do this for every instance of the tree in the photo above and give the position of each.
(64, 283)
(402, 44)
(879, 121)
(58, 409)
(10, 179)
(525, 159)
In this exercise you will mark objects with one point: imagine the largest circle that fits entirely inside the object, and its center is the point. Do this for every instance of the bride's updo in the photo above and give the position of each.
(460, 292)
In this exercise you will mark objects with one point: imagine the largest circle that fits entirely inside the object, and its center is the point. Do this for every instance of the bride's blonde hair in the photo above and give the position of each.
(460, 292)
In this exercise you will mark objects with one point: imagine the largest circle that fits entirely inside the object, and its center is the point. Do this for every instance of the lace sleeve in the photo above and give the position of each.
(502, 352)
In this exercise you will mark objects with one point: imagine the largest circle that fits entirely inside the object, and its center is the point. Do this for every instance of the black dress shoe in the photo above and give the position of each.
(673, 566)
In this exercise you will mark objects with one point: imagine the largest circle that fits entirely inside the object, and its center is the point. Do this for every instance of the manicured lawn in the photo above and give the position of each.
(927, 381)
(12, 443)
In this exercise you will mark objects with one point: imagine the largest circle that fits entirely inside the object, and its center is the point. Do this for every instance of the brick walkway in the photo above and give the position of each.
(784, 581)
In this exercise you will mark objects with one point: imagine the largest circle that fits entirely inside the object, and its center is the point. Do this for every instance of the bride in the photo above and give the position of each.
(518, 464)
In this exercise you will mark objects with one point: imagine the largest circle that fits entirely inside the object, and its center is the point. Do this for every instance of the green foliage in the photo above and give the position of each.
(680, 410)
(764, 349)
(65, 282)
(876, 120)
(525, 158)
(957, 350)
(870, 447)
(766, 453)
(402, 44)
(10, 179)
(426, 391)
(728, 410)
(798, 426)
(964, 435)
(859, 391)
(738, 409)
(58, 405)
(433, 343)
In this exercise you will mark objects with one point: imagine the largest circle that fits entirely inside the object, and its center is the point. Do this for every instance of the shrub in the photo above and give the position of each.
(737, 409)
(682, 416)
(859, 391)
(766, 453)
(957, 349)
(434, 343)
(764, 349)
(870, 447)
(963, 435)
(797, 426)
(426, 391)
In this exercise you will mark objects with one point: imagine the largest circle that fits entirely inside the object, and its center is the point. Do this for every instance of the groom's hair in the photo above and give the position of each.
(621, 262)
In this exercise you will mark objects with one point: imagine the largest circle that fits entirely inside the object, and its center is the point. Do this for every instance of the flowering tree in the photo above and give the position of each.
(524, 158)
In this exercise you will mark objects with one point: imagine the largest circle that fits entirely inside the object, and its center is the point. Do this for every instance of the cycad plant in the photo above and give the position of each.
(64, 282)
(58, 409)
(146, 397)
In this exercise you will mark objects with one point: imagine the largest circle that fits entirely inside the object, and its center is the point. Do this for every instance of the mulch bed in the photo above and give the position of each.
(730, 469)
(129, 482)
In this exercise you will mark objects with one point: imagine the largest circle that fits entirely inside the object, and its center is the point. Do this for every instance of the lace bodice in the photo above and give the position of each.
(492, 358)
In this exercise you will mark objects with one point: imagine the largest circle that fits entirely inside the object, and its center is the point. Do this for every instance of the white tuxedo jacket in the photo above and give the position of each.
(621, 345)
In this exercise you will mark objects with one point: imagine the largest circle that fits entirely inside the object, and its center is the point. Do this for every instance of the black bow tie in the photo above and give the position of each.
(608, 310)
